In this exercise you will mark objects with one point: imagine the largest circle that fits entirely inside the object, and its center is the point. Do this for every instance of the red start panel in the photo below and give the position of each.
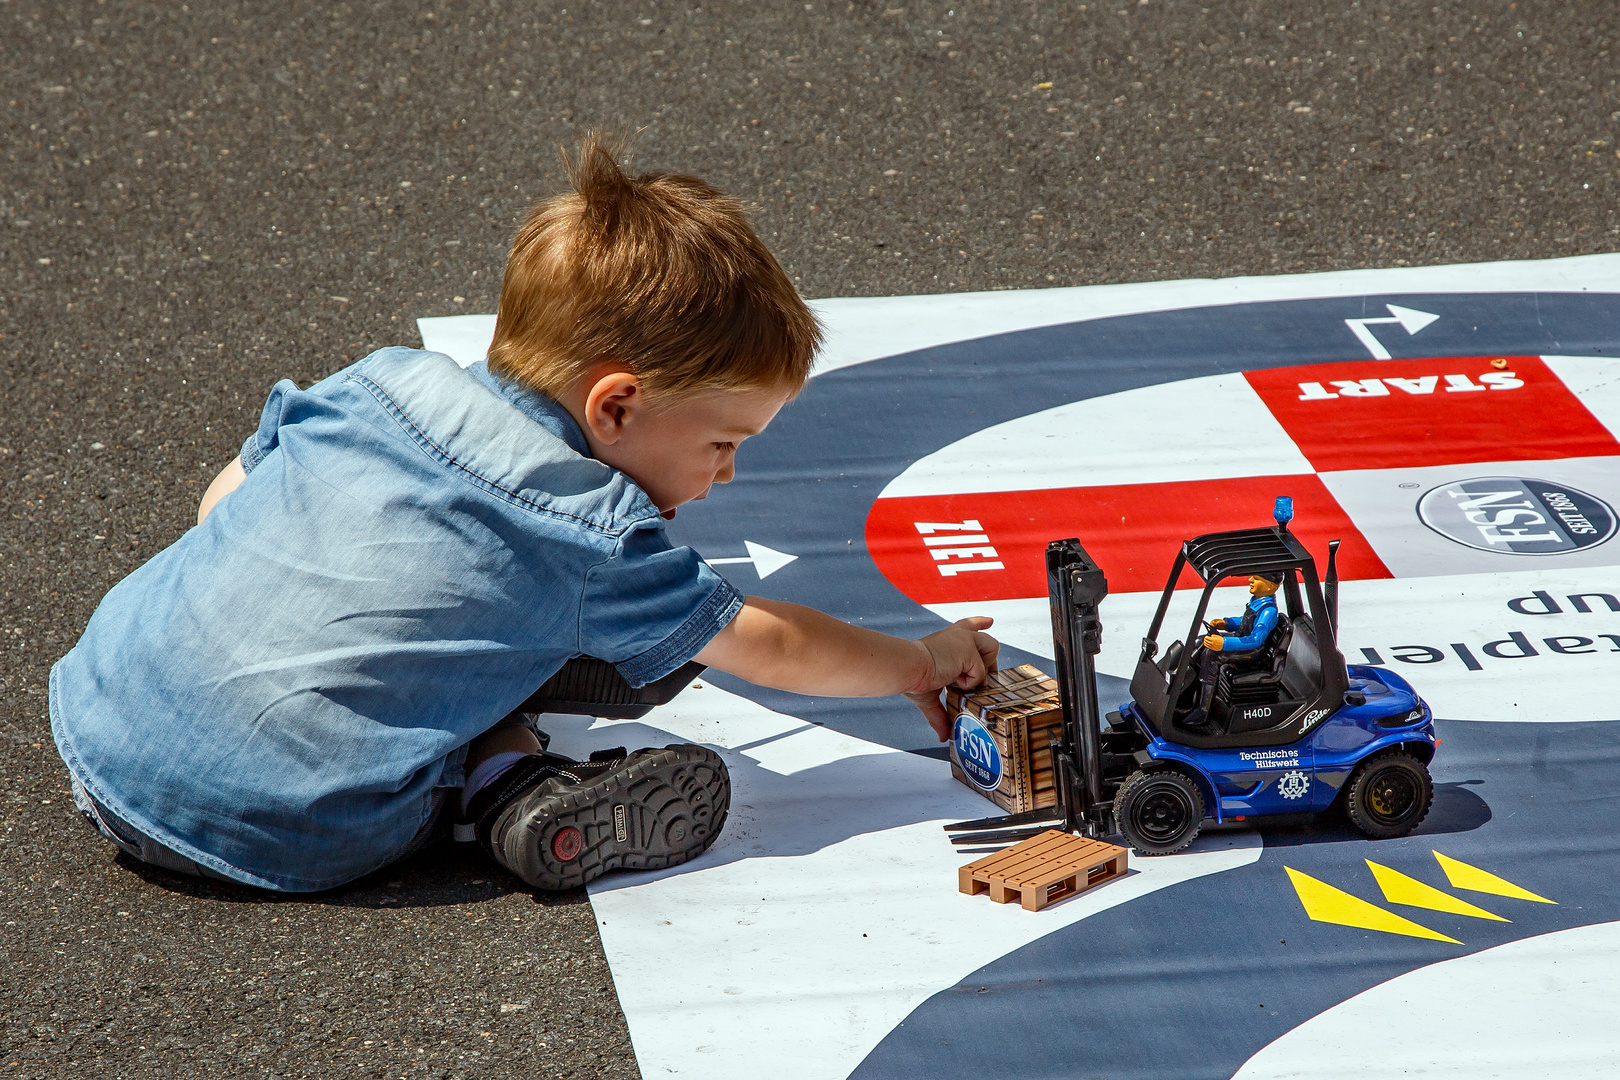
(1382, 414)
(992, 545)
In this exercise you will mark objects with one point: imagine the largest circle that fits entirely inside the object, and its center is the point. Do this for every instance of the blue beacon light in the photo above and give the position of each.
(1284, 511)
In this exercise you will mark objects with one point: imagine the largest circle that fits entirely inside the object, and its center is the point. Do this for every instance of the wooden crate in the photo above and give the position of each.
(1044, 869)
(1019, 708)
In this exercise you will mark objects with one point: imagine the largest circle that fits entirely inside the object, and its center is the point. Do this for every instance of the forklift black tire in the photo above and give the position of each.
(1389, 795)
(1159, 812)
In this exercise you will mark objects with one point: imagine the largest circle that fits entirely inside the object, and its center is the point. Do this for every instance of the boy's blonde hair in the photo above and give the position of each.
(660, 273)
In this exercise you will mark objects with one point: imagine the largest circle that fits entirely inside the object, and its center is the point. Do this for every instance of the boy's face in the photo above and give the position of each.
(675, 452)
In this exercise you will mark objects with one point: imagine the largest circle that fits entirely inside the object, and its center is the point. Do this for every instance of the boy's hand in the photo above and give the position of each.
(960, 655)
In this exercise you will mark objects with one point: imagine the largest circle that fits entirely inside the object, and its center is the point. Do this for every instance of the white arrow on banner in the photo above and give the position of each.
(766, 561)
(1411, 319)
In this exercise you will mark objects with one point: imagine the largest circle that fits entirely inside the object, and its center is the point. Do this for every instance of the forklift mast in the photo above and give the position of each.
(1076, 586)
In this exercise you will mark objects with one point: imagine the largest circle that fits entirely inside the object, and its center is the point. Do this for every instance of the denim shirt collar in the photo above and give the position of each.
(545, 411)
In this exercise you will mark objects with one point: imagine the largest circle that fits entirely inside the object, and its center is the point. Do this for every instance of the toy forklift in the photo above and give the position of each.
(1287, 728)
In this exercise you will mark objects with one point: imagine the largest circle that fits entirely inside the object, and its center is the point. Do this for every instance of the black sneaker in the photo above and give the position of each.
(557, 823)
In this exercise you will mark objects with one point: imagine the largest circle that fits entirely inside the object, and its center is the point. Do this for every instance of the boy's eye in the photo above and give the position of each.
(725, 447)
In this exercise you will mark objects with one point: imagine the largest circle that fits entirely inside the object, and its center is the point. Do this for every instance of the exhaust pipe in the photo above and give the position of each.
(1330, 587)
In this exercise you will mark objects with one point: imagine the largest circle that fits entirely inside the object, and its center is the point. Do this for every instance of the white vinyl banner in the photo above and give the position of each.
(1477, 499)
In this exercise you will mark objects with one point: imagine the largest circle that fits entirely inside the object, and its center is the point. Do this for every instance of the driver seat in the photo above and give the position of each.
(1261, 683)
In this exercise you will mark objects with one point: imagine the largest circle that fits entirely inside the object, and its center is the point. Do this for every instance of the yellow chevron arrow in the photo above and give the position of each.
(1472, 878)
(1400, 889)
(1324, 903)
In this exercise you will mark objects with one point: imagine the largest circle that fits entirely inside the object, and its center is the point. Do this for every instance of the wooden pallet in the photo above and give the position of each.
(1044, 869)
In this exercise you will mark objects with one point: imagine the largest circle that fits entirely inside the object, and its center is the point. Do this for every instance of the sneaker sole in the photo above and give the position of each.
(657, 809)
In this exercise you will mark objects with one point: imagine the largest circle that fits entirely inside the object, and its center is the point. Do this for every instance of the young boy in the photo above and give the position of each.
(292, 694)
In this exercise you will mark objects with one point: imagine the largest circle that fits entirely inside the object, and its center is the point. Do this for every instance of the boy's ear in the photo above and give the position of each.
(611, 404)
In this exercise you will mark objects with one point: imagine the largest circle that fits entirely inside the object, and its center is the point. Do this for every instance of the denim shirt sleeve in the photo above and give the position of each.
(264, 440)
(651, 607)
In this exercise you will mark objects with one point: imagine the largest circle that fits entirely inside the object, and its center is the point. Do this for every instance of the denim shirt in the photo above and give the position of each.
(415, 549)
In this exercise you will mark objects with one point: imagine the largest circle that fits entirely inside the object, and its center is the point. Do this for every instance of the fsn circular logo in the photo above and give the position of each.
(1517, 515)
(975, 753)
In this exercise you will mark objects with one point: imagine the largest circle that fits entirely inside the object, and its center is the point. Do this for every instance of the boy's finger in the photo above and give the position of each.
(934, 712)
(976, 622)
(989, 648)
(973, 673)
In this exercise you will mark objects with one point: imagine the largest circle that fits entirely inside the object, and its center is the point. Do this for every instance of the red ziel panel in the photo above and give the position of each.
(991, 545)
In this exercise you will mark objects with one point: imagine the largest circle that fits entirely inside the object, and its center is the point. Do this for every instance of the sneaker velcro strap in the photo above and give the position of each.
(613, 753)
(490, 800)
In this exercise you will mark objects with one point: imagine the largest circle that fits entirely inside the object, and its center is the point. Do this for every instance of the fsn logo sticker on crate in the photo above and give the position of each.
(975, 753)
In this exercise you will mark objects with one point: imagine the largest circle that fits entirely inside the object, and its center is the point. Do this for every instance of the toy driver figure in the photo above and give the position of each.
(1250, 633)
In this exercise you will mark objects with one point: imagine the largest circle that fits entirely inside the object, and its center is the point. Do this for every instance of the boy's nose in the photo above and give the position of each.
(725, 474)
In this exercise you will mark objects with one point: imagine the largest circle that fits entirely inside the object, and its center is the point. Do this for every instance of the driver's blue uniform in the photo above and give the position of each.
(1259, 619)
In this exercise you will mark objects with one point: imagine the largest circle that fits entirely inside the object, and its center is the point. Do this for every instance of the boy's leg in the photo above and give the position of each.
(512, 735)
(137, 845)
(496, 751)
(131, 841)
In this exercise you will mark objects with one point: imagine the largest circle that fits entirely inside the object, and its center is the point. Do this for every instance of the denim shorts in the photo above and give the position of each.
(137, 845)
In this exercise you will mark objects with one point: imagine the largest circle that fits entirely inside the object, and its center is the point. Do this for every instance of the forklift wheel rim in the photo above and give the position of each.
(1391, 795)
(1161, 813)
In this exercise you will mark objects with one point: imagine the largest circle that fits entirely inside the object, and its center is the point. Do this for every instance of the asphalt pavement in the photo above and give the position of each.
(199, 199)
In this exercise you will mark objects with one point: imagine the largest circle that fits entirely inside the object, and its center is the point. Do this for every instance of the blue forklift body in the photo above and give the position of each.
(1307, 775)
(1285, 729)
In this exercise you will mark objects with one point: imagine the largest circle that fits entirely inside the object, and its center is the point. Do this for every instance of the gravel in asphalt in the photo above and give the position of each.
(199, 199)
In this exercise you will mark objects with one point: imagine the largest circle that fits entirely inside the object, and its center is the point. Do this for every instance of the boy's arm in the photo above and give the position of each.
(225, 483)
(791, 647)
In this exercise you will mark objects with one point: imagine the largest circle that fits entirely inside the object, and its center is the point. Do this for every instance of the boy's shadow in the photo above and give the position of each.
(443, 874)
(781, 811)
(774, 814)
